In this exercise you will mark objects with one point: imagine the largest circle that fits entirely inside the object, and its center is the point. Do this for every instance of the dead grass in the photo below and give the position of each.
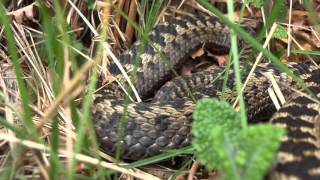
(100, 26)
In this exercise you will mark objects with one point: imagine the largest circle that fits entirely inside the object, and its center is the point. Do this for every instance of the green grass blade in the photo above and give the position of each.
(27, 115)
(236, 66)
(273, 16)
(255, 44)
(54, 55)
(312, 13)
(18, 131)
(161, 157)
(154, 11)
(306, 52)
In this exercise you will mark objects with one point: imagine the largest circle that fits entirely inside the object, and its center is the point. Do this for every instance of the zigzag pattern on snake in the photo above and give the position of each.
(164, 122)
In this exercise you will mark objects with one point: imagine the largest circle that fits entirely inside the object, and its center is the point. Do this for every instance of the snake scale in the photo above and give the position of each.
(164, 122)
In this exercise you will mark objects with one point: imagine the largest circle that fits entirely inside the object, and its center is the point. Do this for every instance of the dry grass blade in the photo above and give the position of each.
(64, 97)
(41, 166)
(32, 57)
(80, 157)
(274, 99)
(116, 61)
(301, 48)
(302, 93)
(56, 69)
(257, 61)
(289, 29)
(7, 85)
(106, 8)
(93, 30)
(27, 12)
(276, 87)
(108, 51)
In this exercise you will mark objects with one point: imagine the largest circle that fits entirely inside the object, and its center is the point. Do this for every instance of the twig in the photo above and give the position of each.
(131, 17)
(193, 170)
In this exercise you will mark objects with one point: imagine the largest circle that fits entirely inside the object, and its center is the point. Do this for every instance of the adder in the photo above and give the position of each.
(163, 119)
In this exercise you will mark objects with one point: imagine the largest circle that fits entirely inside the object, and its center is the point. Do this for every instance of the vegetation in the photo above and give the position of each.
(221, 142)
(53, 53)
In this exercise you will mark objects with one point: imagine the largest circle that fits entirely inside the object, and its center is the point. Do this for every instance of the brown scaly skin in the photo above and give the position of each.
(299, 154)
(165, 122)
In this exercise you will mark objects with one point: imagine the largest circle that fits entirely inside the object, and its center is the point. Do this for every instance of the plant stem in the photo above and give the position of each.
(236, 66)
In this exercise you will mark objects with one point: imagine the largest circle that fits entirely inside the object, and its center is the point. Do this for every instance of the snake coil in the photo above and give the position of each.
(165, 122)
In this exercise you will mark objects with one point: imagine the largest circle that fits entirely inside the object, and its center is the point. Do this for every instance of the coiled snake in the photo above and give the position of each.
(164, 122)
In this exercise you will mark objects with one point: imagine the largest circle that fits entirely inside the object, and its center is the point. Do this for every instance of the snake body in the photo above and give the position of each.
(164, 122)
(298, 155)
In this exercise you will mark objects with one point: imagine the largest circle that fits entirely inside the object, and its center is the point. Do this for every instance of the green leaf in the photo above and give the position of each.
(210, 113)
(258, 146)
(249, 158)
(220, 142)
(282, 14)
(214, 123)
(280, 32)
(256, 3)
